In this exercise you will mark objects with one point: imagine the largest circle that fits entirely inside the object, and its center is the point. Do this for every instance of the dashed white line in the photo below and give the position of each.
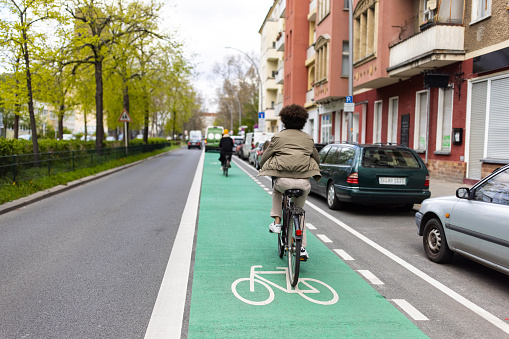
(323, 237)
(343, 254)
(409, 309)
(310, 226)
(371, 277)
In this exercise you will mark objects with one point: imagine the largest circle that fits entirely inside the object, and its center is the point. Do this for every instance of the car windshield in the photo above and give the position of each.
(392, 158)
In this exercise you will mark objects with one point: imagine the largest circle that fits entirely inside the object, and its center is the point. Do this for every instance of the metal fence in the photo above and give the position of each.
(26, 167)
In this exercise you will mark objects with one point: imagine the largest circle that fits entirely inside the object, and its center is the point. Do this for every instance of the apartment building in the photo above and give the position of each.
(425, 76)
(270, 58)
(431, 75)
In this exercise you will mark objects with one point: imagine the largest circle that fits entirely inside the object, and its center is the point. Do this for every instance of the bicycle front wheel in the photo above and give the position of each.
(293, 253)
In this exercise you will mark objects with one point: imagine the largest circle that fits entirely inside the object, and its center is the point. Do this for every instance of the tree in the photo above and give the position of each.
(99, 26)
(239, 88)
(22, 33)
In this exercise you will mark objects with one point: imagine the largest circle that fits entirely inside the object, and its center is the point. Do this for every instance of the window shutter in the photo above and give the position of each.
(477, 125)
(498, 129)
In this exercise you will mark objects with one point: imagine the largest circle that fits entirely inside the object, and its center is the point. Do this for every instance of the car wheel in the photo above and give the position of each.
(435, 244)
(332, 199)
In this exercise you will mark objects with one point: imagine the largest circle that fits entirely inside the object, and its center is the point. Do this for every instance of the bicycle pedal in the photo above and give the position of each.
(303, 259)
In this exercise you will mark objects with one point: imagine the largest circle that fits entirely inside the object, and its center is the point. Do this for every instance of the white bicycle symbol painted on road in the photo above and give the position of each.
(255, 277)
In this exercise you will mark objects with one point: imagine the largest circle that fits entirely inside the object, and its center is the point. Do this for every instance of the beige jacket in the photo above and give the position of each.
(291, 154)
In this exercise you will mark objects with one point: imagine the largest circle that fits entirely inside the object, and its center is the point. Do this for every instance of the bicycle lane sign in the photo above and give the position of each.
(236, 254)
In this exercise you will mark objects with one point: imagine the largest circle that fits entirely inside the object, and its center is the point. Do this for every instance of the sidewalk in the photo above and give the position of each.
(441, 188)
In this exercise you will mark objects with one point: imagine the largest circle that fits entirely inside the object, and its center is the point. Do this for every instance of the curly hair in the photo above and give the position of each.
(294, 116)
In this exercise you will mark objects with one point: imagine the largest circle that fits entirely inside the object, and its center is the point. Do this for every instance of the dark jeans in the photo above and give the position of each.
(223, 156)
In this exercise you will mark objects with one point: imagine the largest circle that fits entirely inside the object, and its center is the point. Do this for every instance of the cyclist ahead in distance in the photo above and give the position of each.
(225, 147)
(290, 159)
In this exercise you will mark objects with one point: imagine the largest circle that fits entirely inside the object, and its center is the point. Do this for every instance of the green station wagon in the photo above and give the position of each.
(376, 174)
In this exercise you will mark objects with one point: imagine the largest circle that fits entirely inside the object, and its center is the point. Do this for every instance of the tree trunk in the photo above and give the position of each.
(33, 126)
(16, 122)
(99, 104)
(61, 122)
(146, 120)
(126, 107)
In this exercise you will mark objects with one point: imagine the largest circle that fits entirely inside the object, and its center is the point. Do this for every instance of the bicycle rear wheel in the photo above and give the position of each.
(281, 237)
(294, 246)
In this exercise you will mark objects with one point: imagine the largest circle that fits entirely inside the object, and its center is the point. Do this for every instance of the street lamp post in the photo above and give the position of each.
(350, 66)
(260, 107)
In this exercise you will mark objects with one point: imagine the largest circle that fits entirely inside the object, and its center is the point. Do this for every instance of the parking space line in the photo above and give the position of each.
(323, 237)
(343, 254)
(409, 309)
(371, 277)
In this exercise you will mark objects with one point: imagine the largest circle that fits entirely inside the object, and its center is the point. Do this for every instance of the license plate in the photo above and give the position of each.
(391, 181)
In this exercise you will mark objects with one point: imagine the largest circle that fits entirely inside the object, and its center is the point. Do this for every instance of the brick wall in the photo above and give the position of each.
(453, 171)
(487, 168)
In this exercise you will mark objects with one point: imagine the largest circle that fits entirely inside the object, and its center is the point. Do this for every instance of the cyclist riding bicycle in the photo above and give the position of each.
(226, 148)
(290, 159)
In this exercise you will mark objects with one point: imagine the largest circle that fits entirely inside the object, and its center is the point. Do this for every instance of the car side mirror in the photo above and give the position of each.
(463, 193)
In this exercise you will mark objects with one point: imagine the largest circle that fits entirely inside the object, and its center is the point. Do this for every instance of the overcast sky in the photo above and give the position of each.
(208, 26)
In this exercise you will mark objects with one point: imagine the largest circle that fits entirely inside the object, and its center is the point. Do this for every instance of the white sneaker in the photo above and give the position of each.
(221, 168)
(303, 254)
(275, 228)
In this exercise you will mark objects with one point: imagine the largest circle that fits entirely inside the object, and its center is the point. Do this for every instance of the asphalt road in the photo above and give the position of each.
(384, 242)
(88, 263)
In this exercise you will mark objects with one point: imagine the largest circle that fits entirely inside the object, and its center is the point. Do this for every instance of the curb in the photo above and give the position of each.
(21, 202)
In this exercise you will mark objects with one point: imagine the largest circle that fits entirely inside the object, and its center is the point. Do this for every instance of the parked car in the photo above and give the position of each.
(194, 143)
(474, 223)
(254, 152)
(237, 140)
(238, 149)
(379, 174)
(252, 139)
(260, 153)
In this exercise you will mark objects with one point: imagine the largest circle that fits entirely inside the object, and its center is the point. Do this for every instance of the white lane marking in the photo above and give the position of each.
(265, 188)
(371, 277)
(456, 296)
(409, 309)
(168, 312)
(323, 237)
(343, 254)
(310, 226)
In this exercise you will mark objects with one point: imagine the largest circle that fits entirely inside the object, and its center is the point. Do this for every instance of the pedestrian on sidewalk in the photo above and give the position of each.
(290, 159)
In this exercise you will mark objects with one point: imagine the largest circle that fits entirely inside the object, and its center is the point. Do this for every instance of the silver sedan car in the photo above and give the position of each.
(474, 223)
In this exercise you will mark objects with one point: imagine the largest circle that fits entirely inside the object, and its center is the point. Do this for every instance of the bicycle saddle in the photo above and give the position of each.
(294, 192)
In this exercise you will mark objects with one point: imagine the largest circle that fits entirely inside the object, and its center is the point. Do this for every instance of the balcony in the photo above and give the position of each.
(310, 97)
(310, 55)
(280, 76)
(278, 108)
(282, 9)
(270, 84)
(280, 42)
(272, 54)
(436, 46)
(312, 10)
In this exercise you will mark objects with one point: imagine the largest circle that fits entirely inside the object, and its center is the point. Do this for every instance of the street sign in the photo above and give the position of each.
(349, 107)
(124, 117)
(261, 115)
(349, 99)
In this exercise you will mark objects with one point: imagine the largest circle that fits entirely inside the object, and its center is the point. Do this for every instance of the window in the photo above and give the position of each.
(346, 156)
(323, 9)
(323, 152)
(332, 156)
(392, 127)
(495, 190)
(421, 109)
(346, 4)
(364, 31)
(345, 66)
(480, 9)
(322, 58)
(444, 119)
(429, 10)
(393, 158)
(326, 128)
(377, 122)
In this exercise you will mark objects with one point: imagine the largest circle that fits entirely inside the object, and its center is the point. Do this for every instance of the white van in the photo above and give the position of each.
(252, 139)
(196, 134)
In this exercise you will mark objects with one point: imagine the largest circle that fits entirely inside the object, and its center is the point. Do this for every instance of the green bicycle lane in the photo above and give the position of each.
(233, 237)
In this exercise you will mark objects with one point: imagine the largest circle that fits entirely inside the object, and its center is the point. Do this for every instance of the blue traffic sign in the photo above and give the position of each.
(261, 115)
(349, 99)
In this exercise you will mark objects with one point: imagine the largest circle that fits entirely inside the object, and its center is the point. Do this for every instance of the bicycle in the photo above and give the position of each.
(290, 238)
(226, 164)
